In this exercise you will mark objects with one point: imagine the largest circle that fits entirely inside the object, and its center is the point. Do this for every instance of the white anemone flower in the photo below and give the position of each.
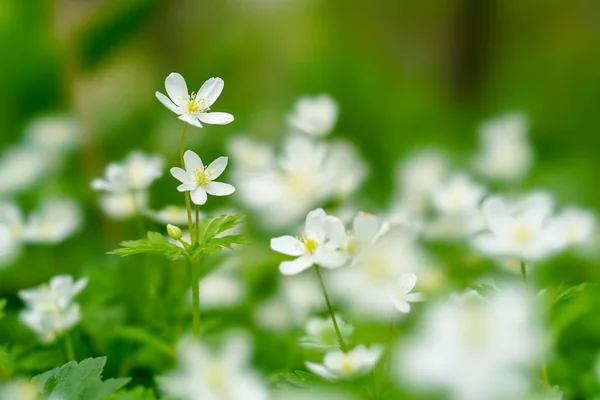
(170, 214)
(55, 134)
(319, 244)
(11, 232)
(135, 173)
(577, 225)
(193, 108)
(123, 205)
(33, 166)
(202, 374)
(524, 231)
(20, 390)
(339, 365)
(199, 179)
(54, 221)
(314, 116)
(321, 334)
(402, 296)
(458, 195)
(221, 290)
(50, 309)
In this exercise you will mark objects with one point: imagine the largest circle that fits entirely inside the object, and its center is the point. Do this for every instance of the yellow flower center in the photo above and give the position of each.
(348, 366)
(192, 106)
(203, 176)
(523, 234)
(195, 105)
(311, 245)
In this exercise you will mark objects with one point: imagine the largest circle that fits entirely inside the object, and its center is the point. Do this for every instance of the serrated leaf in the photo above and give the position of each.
(156, 243)
(74, 381)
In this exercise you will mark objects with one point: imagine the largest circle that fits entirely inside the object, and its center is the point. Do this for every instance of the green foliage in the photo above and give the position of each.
(2, 304)
(211, 240)
(78, 381)
(299, 379)
(137, 393)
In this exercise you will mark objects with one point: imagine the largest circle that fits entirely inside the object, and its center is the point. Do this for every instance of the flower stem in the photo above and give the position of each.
(197, 223)
(69, 347)
(188, 206)
(195, 297)
(341, 343)
(523, 271)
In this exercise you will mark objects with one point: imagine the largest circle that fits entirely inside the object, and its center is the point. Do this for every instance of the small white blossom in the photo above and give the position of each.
(339, 365)
(11, 232)
(220, 290)
(123, 205)
(524, 231)
(54, 221)
(53, 134)
(402, 296)
(319, 244)
(321, 335)
(315, 116)
(203, 374)
(170, 215)
(251, 155)
(199, 179)
(458, 195)
(505, 153)
(135, 173)
(576, 224)
(193, 108)
(32, 165)
(50, 309)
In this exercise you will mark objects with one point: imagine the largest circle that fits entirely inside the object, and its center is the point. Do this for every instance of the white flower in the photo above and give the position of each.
(220, 290)
(251, 155)
(339, 365)
(192, 108)
(402, 296)
(319, 244)
(19, 390)
(54, 221)
(505, 153)
(55, 134)
(199, 179)
(123, 205)
(474, 348)
(576, 224)
(50, 309)
(9, 246)
(32, 166)
(205, 375)
(315, 116)
(458, 195)
(11, 232)
(321, 335)
(345, 168)
(170, 215)
(522, 231)
(135, 173)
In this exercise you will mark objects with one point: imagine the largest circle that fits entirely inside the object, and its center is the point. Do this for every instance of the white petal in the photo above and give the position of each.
(186, 187)
(316, 222)
(320, 370)
(287, 245)
(219, 188)
(168, 103)
(406, 283)
(192, 161)
(335, 230)
(492, 245)
(190, 119)
(402, 306)
(497, 215)
(176, 88)
(330, 258)
(295, 266)
(217, 167)
(211, 90)
(198, 195)
(366, 228)
(180, 174)
(216, 118)
(536, 208)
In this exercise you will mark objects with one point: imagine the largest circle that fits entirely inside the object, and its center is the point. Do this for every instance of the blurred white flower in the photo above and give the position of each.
(366, 229)
(199, 179)
(221, 290)
(524, 230)
(135, 173)
(505, 153)
(251, 155)
(170, 215)
(321, 335)
(54, 134)
(50, 309)
(402, 296)
(193, 108)
(344, 168)
(19, 390)
(314, 116)
(319, 244)
(474, 348)
(54, 221)
(576, 224)
(33, 165)
(123, 205)
(203, 374)
(11, 232)
(458, 195)
(339, 365)
(9, 246)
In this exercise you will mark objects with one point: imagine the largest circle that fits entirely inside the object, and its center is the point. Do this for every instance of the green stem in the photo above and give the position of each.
(341, 343)
(69, 347)
(195, 297)
(523, 271)
(197, 223)
(188, 205)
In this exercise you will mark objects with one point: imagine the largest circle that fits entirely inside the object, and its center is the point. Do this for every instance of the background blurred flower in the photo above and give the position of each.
(315, 116)
(339, 365)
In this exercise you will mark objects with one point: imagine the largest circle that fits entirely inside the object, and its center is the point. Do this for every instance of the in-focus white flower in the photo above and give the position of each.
(576, 224)
(203, 374)
(54, 221)
(50, 309)
(321, 335)
(474, 348)
(198, 179)
(402, 297)
(319, 244)
(505, 153)
(315, 116)
(524, 231)
(170, 215)
(220, 290)
(32, 165)
(135, 173)
(123, 205)
(339, 365)
(193, 108)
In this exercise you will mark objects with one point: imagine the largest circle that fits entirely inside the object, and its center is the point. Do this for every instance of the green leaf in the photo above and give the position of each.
(6, 364)
(137, 393)
(140, 335)
(565, 293)
(2, 304)
(300, 379)
(156, 243)
(78, 381)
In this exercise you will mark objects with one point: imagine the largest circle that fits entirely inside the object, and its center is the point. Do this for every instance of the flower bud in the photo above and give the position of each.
(174, 232)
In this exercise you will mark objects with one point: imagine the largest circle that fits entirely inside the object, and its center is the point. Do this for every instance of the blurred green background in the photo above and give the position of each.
(406, 75)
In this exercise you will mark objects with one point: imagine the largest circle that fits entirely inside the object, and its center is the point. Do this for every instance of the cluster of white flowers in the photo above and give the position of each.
(50, 309)
(309, 170)
(52, 222)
